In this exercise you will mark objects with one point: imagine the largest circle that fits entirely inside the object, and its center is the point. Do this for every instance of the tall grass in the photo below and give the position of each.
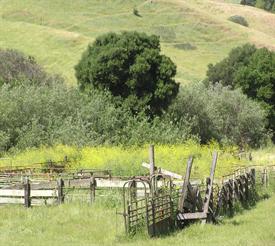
(75, 224)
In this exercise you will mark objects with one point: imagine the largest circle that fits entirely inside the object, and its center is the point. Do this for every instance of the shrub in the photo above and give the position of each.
(239, 20)
(219, 113)
(16, 68)
(252, 70)
(130, 66)
(46, 115)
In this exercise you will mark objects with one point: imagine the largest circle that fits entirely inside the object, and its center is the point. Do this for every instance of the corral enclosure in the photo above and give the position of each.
(98, 190)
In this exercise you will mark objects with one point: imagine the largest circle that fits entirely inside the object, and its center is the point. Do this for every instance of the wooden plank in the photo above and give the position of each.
(33, 193)
(11, 200)
(164, 171)
(43, 193)
(15, 193)
(185, 184)
(192, 216)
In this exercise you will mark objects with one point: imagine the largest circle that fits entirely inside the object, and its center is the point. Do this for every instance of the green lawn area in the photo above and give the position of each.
(76, 224)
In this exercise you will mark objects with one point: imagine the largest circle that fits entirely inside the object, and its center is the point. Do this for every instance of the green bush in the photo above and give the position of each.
(253, 71)
(46, 115)
(239, 20)
(219, 113)
(17, 68)
(130, 66)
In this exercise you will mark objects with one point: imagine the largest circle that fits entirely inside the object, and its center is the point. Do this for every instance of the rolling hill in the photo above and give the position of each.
(193, 33)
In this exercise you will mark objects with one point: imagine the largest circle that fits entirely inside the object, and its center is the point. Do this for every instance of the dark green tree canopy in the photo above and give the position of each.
(131, 67)
(252, 70)
(224, 71)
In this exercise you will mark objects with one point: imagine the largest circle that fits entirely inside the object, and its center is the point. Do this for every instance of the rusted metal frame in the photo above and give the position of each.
(127, 204)
(185, 185)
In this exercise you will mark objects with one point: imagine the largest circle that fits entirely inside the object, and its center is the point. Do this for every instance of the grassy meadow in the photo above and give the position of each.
(192, 32)
(75, 224)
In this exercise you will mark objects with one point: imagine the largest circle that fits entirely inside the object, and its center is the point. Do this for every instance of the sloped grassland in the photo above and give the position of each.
(193, 33)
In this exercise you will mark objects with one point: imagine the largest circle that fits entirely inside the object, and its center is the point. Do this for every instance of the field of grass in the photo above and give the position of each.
(193, 33)
(75, 224)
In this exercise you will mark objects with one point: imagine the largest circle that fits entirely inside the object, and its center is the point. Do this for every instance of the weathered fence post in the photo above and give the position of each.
(27, 193)
(92, 189)
(185, 184)
(209, 187)
(152, 160)
(60, 194)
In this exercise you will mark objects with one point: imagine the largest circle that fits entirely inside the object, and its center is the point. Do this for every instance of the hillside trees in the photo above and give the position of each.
(252, 70)
(130, 66)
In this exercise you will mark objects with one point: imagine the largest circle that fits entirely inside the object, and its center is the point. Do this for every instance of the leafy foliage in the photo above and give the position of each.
(252, 70)
(219, 113)
(225, 70)
(130, 66)
(16, 68)
(44, 115)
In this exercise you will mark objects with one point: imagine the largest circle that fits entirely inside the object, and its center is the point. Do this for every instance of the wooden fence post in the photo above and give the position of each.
(27, 193)
(92, 189)
(209, 187)
(185, 185)
(152, 160)
(60, 194)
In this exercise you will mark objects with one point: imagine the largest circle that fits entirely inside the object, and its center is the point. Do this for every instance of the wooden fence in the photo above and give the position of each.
(160, 201)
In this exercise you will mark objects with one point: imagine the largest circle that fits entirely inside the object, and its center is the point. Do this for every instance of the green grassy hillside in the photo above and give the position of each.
(193, 33)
